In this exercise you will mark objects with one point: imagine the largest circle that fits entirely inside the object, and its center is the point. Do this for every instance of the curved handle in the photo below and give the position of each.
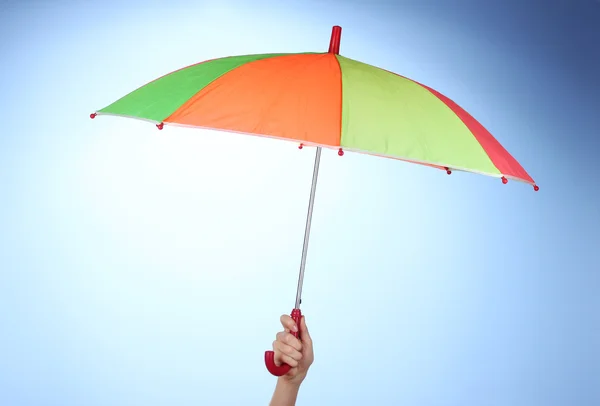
(270, 355)
(274, 369)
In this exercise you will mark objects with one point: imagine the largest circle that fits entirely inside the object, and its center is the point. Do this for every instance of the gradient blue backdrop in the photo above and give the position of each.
(141, 267)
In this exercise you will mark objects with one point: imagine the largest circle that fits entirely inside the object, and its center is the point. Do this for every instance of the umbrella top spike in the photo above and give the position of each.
(334, 43)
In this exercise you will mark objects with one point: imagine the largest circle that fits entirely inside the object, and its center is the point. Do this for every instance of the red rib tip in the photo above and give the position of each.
(160, 126)
(300, 146)
(536, 188)
(448, 171)
(93, 115)
(504, 180)
(341, 152)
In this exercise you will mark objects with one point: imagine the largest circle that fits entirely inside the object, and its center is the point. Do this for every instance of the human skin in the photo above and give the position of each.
(297, 353)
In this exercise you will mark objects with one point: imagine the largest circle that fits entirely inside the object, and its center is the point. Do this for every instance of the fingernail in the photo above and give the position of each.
(294, 328)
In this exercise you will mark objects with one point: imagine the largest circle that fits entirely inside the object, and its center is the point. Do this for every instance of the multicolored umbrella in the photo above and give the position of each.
(322, 100)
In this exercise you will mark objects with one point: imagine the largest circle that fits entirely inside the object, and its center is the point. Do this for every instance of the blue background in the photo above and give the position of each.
(141, 267)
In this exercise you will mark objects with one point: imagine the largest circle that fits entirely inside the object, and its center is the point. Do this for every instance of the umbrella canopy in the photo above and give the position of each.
(325, 100)
(322, 100)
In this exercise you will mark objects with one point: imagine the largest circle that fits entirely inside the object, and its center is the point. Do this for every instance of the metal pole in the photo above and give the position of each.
(311, 203)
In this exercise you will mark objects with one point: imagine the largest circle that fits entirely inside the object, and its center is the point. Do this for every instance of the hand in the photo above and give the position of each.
(297, 353)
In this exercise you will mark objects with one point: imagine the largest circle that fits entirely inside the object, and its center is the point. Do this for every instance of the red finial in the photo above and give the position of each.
(93, 115)
(448, 171)
(340, 152)
(334, 42)
(504, 180)
(300, 146)
(536, 188)
(160, 126)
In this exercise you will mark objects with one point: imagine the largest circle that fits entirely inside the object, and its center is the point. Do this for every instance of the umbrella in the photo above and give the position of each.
(322, 100)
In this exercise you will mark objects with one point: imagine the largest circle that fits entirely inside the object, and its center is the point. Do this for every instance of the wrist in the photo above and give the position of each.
(297, 379)
(286, 392)
(290, 383)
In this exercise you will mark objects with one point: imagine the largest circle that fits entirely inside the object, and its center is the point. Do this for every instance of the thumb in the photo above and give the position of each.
(304, 334)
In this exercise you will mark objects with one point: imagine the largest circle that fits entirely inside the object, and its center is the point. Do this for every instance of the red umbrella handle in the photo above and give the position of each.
(270, 355)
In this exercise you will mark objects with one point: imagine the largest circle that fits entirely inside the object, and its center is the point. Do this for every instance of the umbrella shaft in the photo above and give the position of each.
(311, 203)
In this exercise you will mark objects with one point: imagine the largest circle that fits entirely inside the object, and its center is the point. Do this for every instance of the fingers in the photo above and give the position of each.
(281, 359)
(289, 340)
(287, 349)
(287, 354)
(288, 323)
